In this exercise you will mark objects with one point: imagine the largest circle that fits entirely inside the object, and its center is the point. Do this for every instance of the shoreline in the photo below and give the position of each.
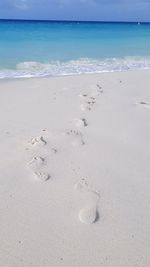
(74, 170)
(74, 75)
(82, 66)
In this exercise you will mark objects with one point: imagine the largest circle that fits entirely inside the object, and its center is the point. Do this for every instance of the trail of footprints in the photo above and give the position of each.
(38, 163)
(88, 214)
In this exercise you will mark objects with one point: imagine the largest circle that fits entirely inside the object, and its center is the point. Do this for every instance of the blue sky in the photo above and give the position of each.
(106, 10)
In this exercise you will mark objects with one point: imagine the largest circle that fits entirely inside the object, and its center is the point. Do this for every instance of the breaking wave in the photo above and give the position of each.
(74, 67)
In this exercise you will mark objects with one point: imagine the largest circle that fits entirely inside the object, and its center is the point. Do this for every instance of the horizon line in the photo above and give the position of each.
(75, 21)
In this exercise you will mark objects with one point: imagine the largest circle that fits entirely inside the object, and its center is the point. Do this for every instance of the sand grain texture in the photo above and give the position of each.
(74, 171)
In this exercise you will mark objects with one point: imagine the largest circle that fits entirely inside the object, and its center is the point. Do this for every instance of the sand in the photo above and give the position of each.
(75, 171)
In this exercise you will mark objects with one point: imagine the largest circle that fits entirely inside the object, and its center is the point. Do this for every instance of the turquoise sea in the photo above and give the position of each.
(36, 48)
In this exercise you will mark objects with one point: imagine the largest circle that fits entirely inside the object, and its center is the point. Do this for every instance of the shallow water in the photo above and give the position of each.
(35, 48)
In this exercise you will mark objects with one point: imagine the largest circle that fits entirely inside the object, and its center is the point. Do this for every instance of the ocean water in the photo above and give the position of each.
(35, 48)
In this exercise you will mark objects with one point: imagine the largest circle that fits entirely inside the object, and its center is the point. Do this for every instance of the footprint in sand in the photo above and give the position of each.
(89, 213)
(80, 123)
(100, 90)
(76, 138)
(38, 141)
(43, 176)
(144, 104)
(38, 166)
(37, 162)
(87, 102)
(89, 99)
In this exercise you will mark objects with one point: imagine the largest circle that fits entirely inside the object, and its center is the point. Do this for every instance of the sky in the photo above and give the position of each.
(99, 10)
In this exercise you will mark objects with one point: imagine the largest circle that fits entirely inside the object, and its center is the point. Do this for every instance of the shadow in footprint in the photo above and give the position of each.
(42, 176)
(76, 138)
(144, 104)
(80, 122)
(38, 141)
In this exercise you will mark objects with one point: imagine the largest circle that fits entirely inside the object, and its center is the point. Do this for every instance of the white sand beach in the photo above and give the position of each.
(75, 171)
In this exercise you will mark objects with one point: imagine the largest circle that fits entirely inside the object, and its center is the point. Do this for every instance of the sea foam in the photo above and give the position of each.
(82, 66)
